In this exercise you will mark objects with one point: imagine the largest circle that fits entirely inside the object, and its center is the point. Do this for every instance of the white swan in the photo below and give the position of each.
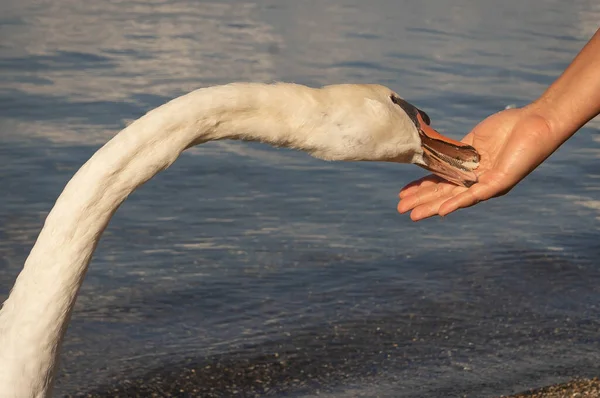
(341, 122)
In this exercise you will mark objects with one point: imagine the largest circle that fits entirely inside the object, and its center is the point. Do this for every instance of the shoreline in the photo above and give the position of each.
(156, 386)
(575, 388)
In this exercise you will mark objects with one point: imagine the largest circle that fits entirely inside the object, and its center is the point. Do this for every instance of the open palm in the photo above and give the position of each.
(511, 144)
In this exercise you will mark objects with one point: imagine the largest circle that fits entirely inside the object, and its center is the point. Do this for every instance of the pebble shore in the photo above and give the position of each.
(577, 388)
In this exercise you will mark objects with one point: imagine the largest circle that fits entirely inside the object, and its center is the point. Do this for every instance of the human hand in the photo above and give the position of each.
(511, 143)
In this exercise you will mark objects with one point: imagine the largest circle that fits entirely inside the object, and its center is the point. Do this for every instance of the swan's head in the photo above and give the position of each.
(373, 123)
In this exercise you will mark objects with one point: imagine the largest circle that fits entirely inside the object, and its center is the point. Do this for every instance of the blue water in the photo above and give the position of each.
(241, 250)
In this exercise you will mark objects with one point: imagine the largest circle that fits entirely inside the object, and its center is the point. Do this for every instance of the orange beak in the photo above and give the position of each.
(449, 159)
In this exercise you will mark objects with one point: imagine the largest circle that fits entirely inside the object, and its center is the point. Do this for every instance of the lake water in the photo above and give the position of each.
(265, 270)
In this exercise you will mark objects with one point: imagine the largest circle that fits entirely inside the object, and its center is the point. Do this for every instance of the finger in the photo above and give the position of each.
(468, 198)
(427, 210)
(425, 195)
(414, 186)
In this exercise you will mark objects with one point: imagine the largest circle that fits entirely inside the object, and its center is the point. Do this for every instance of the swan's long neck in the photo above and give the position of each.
(34, 318)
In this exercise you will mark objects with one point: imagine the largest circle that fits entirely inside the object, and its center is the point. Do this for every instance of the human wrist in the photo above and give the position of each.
(559, 124)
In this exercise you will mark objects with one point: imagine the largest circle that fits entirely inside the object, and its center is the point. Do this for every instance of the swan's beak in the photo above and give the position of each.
(449, 159)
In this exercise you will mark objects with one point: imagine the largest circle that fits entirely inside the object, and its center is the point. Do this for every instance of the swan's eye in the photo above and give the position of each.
(397, 100)
(411, 110)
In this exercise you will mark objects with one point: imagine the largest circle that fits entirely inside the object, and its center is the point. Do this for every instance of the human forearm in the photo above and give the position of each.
(574, 98)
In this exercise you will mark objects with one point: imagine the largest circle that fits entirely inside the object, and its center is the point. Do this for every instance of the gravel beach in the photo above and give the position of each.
(576, 388)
